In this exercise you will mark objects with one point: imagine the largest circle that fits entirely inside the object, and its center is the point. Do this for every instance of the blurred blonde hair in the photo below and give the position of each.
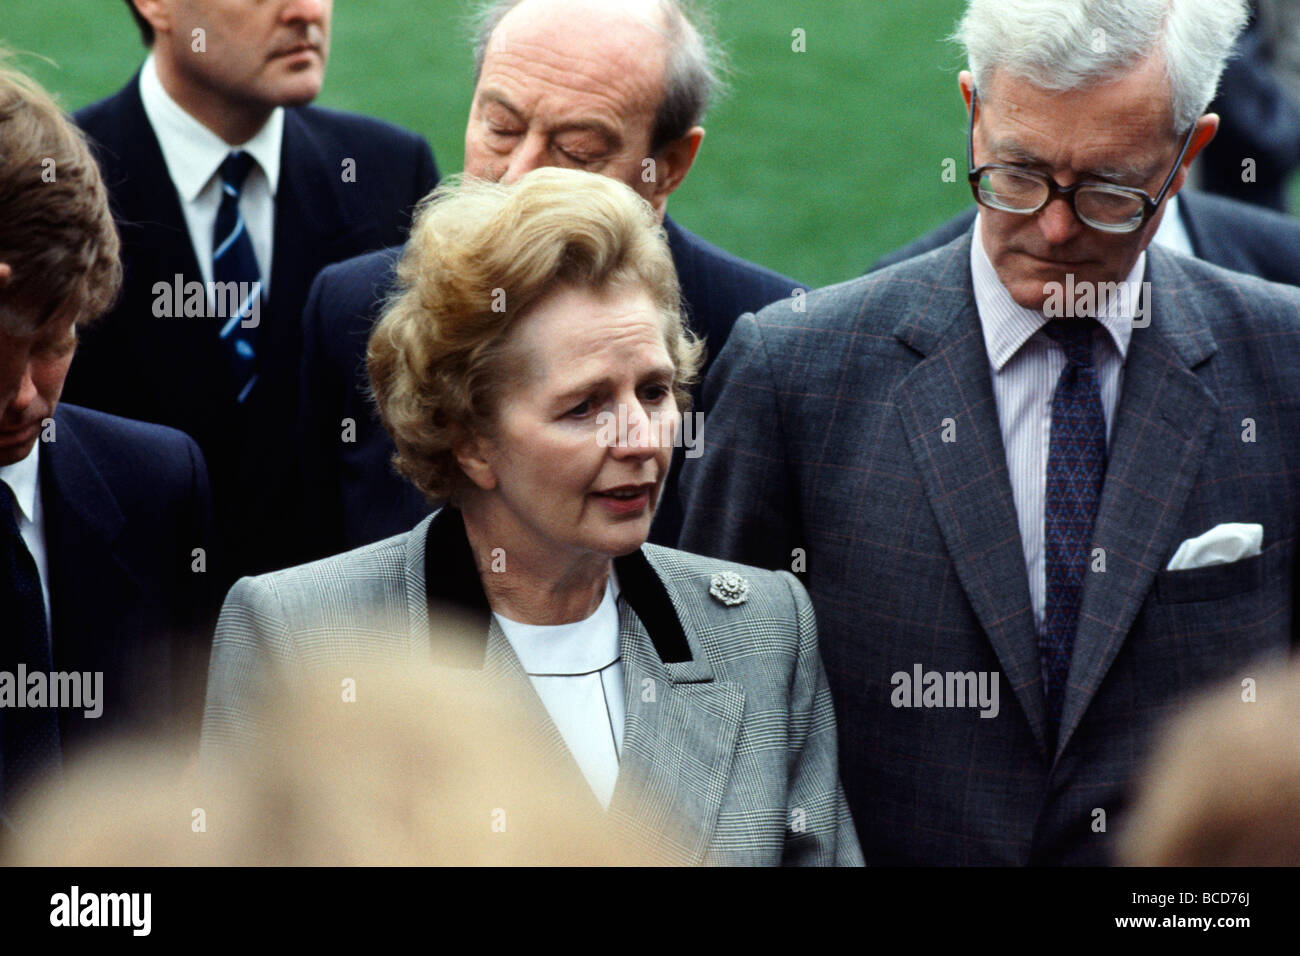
(1223, 786)
(425, 766)
(479, 257)
(58, 238)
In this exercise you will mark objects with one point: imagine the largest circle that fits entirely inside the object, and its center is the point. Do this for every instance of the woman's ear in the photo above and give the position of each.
(474, 455)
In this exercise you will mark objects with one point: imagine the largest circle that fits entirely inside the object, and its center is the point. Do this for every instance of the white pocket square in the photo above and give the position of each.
(1222, 544)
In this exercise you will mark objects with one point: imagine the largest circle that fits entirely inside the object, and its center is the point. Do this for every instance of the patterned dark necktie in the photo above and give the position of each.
(233, 261)
(1076, 468)
(31, 734)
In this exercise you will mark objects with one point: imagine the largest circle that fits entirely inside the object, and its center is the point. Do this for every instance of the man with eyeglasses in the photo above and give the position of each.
(1031, 523)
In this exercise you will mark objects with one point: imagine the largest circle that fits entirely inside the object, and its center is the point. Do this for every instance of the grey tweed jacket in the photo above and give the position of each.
(731, 761)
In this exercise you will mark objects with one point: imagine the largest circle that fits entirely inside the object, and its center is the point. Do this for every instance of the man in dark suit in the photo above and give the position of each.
(1030, 525)
(1229, 233)
(622, 114)
(104, 522)
(231, 193)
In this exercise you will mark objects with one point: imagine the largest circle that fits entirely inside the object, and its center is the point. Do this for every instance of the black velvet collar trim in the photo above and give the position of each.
(452, 584)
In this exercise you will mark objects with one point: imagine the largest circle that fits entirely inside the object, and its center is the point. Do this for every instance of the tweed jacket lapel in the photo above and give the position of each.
(949, 417)
(681, 726)
(1162, 427)
(450, 620)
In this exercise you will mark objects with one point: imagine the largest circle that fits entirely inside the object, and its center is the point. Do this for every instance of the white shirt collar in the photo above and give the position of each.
(1172, 234)
(1007, 325)
(193, 152)
(23, 478)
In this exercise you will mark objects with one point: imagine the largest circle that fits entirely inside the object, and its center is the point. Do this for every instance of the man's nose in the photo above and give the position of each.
(17, 389)
(530, 154)
(307, 11)
(1057, 222)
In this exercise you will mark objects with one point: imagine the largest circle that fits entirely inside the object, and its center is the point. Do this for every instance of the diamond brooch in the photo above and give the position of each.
(729, 588)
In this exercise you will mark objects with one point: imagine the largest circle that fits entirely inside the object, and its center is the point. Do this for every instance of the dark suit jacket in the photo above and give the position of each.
(356, 495)
(125, 505)
(1232, 234)
(828, 435)
(1258, 120)
(174, 371)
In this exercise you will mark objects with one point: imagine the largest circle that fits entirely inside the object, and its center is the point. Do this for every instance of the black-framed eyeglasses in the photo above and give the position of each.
(1024, 192)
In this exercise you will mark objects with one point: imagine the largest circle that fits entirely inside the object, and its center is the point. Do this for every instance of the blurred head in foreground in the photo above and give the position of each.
(372, 766)
(1223, 787)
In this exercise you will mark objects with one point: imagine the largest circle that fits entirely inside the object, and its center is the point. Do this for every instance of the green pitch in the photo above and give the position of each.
(815, 164)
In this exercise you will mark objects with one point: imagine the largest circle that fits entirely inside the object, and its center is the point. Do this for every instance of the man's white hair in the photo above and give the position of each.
(1071, 44)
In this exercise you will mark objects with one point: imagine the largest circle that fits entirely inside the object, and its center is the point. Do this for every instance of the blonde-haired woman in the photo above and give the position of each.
(531, 369)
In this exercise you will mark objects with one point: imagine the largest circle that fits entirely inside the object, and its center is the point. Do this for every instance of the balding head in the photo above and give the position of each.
(615, 87)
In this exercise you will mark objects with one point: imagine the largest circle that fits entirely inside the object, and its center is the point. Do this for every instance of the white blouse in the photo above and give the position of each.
(577, 671)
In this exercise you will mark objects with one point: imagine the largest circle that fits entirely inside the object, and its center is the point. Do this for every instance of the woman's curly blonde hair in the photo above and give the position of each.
(480, 256)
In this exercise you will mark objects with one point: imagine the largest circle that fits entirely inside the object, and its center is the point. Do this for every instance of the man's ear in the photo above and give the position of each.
(1206, 128)
(966, 81)
(474, 457)
(672, 164)
(157, 12)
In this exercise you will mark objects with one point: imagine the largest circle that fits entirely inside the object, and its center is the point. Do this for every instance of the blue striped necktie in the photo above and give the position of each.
(31, 746)
(1076, 468)
(233, 260)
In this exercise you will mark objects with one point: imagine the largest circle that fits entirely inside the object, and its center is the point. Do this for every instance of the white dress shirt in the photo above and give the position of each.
(1025, 365)
(577, 671)
(23, 479)
(194, 154)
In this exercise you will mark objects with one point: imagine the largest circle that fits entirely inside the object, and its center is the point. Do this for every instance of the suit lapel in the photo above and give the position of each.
(157, 248)
(94, 597)
(1162, 427)
(966, 477)
(1208, 243)
(305, 239)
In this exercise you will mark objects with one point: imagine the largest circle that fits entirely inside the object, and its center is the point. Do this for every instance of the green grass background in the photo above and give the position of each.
(815, 164)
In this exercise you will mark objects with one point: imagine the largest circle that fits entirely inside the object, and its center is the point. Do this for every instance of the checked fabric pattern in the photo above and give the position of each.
(1076, 468)
(233, 260)
(31, 745)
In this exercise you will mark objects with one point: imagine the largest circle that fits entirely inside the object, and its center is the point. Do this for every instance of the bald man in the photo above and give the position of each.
(618, 89)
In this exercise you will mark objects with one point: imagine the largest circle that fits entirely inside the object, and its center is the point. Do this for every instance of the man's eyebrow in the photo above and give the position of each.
(1015, 152)
(492, 96)
(611, 136)
(1117, 173)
